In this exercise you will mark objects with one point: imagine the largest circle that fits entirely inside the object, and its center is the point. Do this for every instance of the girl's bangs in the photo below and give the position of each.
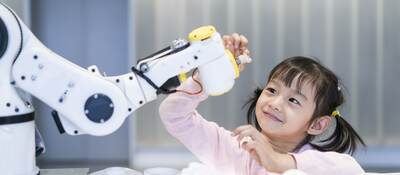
(287, 74)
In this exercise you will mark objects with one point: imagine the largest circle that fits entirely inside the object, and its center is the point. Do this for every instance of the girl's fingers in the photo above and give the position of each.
(243, 41)
(236, 40)
(255, 156)
(248, 145)
(251, 148)
(240, 129)
(228, 43)
(246, 52)
(246, 133)
(232, 49)
(236, 43)
(244, 141)
(227, 40)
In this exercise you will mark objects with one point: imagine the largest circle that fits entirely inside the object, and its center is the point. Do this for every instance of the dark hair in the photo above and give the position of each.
(328, 97)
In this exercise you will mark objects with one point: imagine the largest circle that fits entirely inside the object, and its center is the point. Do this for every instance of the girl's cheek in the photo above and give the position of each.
(263, 97)
(261, 100)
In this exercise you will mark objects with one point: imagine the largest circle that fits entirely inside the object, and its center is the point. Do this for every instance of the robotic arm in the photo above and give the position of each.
(88, 103)
(84, 101)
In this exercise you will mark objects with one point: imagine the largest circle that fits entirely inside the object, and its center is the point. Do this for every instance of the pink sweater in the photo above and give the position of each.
(215, 147)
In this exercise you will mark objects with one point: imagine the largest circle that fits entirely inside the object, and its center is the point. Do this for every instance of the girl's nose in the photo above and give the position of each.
(276, 103)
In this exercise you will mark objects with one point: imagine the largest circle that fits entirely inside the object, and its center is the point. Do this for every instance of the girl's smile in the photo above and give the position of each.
(273, 117)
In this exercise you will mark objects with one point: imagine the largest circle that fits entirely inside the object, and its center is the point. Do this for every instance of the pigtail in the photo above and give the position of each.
(343, 139)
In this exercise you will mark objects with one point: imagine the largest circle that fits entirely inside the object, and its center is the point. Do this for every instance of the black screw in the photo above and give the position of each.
(76, 132)
(140, 102)
(93, 70)
(129, 109)
(60, 100)
(13, 83)
(195, 57)
(35, 57)
(117, 80)
(8, 104)
(16, 110)
(130, 78)
(22, 77)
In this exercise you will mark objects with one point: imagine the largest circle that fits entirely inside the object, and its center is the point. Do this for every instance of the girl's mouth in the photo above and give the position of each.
(273, 117)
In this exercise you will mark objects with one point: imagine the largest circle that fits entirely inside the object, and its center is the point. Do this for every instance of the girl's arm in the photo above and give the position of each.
(211, 144)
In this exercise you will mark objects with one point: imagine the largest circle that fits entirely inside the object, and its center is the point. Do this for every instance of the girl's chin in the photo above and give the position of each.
(271, 127)
(271, 123)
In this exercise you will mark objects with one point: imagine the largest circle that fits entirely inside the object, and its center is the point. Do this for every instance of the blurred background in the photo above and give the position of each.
(357, 39)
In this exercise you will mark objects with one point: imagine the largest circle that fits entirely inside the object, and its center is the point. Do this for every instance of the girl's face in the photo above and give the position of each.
(284, 112)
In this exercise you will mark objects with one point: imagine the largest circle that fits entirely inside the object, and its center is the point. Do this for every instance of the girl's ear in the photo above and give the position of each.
(319, 125)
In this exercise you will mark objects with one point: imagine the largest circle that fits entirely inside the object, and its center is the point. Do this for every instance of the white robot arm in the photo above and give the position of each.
(84, 101)
(88, 103)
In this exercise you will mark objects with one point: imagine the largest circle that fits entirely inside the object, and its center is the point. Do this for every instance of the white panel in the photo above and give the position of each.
(305, 27)
(354, 63)
(379, 114)
(206, 11)
(367, 70)
(343, 50)
(231, 9)
(391, 45)
(280, 27)
(329, 27)
(255, 40)
(317, 33)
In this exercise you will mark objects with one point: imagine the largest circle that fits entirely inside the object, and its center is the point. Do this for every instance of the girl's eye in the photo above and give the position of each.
(293, 100)
(271, 90)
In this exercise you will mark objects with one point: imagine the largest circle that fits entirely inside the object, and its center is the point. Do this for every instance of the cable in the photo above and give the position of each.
(167, 91)
(197, 81)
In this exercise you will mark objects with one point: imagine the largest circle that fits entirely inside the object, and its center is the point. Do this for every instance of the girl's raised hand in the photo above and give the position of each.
(237, 44)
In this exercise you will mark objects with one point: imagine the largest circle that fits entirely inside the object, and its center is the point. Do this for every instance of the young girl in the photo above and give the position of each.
(298, 103)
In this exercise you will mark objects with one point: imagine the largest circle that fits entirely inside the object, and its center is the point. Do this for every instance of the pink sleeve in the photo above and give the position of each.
(328, 163)
(211, 144)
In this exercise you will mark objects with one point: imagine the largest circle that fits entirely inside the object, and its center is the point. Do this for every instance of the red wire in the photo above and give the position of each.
(198, 82)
